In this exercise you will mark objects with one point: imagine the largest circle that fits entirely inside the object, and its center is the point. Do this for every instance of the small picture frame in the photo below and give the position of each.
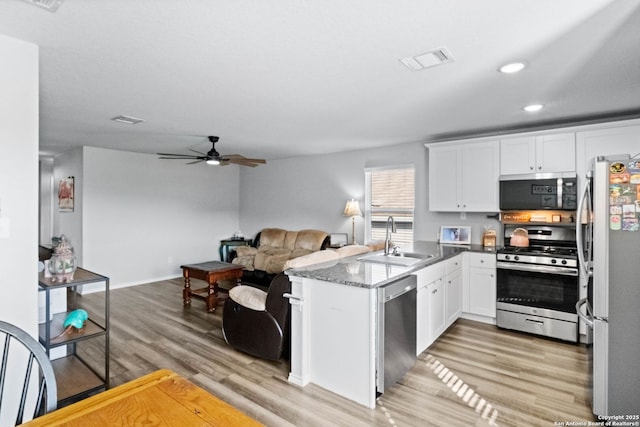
(66, 194)
(338, 240)
(455, 235)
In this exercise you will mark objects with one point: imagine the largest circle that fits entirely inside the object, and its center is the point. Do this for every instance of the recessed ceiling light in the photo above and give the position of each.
(533, 108)
(428, 59)
(127, 119)
(513, 67)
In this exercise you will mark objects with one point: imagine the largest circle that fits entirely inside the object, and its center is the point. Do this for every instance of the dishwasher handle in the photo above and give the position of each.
(399, 293)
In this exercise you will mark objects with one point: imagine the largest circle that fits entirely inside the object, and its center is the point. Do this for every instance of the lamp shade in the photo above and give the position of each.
(352, 208)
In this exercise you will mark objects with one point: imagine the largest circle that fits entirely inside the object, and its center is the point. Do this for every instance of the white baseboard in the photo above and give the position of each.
(88, 289)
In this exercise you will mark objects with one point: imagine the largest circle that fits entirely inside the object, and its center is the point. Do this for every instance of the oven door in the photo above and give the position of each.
(549, 289)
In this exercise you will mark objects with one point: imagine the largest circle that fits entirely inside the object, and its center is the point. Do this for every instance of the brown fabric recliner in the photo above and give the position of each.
(261, 333)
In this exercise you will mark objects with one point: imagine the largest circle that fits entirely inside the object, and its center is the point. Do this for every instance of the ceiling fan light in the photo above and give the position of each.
(513, 67)
(533, 108)
(213, 162)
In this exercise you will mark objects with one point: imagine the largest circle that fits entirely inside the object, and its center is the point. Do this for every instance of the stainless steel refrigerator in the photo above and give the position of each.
(610, 253)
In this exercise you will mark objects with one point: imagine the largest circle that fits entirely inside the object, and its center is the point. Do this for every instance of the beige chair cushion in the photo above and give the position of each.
(273, 237)
(312, 258)
(245, 250)
(310, 239)
(351, 250)
(245, 261)
(267, 255)
(299, 252)
(275, 263)
(290, 240)
(248, 296)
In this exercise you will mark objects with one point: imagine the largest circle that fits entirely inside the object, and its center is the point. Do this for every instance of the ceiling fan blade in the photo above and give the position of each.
(179, 156)
(196, 161)
(242, 162)
(199, 152)
(243, 158)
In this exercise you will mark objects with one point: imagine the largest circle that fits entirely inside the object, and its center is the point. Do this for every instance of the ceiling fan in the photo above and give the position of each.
(212, 157)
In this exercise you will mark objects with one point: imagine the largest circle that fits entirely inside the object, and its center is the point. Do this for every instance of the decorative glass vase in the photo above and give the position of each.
(62, 264)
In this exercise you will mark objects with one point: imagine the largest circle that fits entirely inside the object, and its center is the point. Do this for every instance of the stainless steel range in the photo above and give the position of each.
(538, 285)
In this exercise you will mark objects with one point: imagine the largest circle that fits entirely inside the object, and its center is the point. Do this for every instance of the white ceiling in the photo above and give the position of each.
(285, 78)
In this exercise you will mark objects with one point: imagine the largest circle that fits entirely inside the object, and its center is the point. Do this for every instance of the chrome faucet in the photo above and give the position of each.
(387, 238)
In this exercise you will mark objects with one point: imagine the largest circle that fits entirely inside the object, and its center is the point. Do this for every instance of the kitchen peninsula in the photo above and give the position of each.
(334, 322)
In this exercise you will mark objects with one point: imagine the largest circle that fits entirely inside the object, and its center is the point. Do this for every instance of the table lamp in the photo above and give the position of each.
(352, 209)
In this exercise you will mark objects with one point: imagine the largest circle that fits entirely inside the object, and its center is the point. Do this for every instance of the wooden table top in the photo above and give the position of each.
(162, 398)
(210, 266)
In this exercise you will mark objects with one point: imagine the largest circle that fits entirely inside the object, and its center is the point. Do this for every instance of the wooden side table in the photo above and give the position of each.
(211, 272)
(227, 244)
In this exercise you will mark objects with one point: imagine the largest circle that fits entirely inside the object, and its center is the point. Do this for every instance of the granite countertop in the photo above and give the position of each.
(351, 272)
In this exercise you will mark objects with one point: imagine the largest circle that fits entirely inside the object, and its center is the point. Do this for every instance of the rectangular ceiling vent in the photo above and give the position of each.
(127, 119)
(428, 59)
(50, 5)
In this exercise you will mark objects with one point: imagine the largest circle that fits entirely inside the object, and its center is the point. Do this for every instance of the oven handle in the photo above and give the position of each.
(537, 268)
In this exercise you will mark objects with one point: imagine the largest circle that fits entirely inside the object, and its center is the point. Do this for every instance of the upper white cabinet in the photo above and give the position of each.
(606, 142)
(538, 154)
(464, 176)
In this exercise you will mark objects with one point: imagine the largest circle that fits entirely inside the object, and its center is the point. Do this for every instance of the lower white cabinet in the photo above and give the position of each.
(480, 298)
(430, 314)
(436, 300)
(453, 296)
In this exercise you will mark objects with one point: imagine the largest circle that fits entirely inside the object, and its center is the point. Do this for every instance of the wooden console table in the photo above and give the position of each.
(162, 398)
(211, 272)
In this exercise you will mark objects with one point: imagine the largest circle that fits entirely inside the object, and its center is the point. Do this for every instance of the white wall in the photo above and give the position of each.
(19, 182)
(46, 201)
(311, 192)
(143, 217)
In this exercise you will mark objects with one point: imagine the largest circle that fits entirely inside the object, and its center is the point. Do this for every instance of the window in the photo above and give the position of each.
(390, 192)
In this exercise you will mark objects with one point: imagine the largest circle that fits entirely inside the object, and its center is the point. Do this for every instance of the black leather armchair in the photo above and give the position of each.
(261, 333)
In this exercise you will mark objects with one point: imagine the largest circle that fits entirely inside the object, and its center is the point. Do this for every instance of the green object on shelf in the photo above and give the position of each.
(76, 318)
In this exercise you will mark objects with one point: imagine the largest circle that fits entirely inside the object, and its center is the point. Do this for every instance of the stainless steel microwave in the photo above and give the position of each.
(536, 193)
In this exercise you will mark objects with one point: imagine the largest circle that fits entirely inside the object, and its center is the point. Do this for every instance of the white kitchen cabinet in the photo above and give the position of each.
(428, 279)
(453, 290)
(463, 176)
(479, 296)
(538, 154)
(436, 303)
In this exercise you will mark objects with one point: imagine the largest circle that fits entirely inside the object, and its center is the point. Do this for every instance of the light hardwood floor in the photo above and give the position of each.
(474, 375)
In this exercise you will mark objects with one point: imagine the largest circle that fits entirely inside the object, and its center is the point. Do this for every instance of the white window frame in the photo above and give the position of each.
(367, 197)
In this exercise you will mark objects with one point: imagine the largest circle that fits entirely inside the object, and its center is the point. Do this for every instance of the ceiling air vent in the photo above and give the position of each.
(428, 59)
(127, 119)
(50, 5)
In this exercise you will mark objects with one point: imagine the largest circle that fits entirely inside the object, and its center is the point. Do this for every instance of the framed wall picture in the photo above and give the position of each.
(455, 235)
(338, 240)
(66, 194)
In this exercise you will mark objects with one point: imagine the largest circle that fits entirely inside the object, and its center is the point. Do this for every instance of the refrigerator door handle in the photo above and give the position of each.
(580, 241)
(587, 320)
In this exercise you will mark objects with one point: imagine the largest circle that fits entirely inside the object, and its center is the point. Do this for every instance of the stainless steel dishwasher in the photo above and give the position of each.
(396, 332)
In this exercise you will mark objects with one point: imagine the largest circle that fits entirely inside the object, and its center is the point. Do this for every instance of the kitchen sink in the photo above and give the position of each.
(406, 259)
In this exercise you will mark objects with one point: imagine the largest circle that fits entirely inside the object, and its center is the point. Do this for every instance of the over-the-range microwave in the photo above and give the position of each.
(548, 191)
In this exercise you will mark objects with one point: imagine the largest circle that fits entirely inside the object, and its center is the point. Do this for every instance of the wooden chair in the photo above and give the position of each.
(24, 359)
